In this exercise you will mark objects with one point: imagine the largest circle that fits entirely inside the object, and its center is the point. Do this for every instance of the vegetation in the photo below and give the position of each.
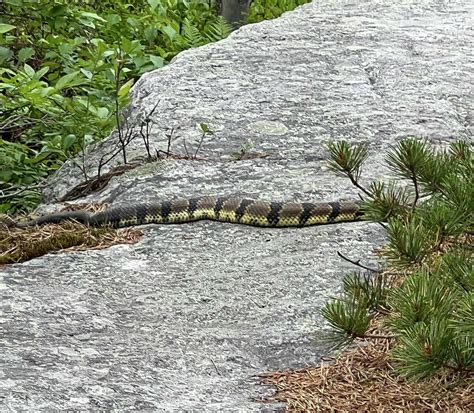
(429, 307)
(417, 310)
(66, 69)
(28, 243)
(269, 9)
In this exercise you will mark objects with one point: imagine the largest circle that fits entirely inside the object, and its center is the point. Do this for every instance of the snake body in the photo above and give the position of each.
(225, 209)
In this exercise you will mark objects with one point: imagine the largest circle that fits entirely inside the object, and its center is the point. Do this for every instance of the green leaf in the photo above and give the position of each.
(123, 91)
(4, 70)
(346, 159)
(133, 22)
(150, 34)
(6, 86)
(93, 16)
(157, 61)
(108, 53)
(113, 19)
(68, 141)
(40, 73)
(140, 61)
(409, 241)
(66, 49)
(204, 127)
(348, 316)
(169, 31)
(29, 70)
(66, 80)
(126, 45)
(408, 157)
(5, 174)
(57, 10)
(87, 73)
(389, 201)
(6, 27)
(5, 54)
(25, 54)
(102, 113)
(87, 23)
(153, 3)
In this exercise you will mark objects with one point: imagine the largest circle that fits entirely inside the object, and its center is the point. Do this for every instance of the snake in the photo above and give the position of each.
(231, 209)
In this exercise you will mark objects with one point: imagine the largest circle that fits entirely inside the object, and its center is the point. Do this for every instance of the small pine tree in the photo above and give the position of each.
(429, 222)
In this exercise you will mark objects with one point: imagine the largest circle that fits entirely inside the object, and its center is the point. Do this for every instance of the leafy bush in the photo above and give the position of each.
(430, 310)
(66, 69)
(270, 9)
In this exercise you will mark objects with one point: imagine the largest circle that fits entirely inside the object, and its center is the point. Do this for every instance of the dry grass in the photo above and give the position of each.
(17, 245)
(364, 380)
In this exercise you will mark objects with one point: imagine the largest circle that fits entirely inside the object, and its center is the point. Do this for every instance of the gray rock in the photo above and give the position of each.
(185, 318)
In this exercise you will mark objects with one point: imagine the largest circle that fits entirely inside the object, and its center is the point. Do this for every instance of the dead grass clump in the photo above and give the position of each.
(17, 245)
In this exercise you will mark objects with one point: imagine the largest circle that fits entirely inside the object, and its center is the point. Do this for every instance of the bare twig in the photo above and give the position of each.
(117, 106)
(185, 148)
(375, 336)
(215, 367)
(4, 196)
(357, 263)
(170, 137)
(82, 164)
(129, 137)
(146, 135)
(199, 145)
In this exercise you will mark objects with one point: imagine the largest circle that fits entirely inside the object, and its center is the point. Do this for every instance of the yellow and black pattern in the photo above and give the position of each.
(225, 209)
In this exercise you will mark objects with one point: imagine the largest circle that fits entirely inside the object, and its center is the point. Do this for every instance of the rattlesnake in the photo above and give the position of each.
(225, 209)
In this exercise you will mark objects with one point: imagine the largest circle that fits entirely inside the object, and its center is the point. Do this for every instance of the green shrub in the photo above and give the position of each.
(270, 9)
(66, 69)
(430, 312)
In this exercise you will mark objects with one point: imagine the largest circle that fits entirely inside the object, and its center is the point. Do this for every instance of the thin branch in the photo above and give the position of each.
(117, 106)
(83, 157)
(359, 186)
(357, 263)
(199, 146)
(152, 111)
(12, 119)
(185, 148)
(417, 192)
(18, 192)
(82, 164)
(170, 135)
(384, 336)
(146, 135)
(214, 364)
(103, 163)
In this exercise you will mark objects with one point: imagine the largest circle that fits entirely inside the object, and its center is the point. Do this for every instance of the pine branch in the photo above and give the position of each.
(348, 161)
